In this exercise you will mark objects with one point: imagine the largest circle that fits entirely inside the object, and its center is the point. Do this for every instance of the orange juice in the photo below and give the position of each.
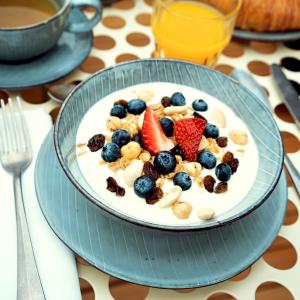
(190, 30)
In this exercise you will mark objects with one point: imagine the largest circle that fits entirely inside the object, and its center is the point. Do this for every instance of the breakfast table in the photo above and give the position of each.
(125, 34)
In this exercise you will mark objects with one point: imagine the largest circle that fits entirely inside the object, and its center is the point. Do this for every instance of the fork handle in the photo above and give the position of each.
(29, 284)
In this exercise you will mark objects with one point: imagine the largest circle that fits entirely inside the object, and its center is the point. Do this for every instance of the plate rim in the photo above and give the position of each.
(282, 181)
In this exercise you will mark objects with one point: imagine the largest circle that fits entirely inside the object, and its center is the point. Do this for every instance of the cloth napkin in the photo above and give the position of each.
(55, 262)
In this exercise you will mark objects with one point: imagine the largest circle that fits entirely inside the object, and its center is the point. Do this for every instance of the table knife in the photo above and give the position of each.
(289, 95)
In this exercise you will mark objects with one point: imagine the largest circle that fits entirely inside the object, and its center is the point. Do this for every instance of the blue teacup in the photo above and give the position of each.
(22, 43)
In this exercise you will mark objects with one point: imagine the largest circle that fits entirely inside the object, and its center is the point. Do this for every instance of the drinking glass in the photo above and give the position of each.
(197, 31)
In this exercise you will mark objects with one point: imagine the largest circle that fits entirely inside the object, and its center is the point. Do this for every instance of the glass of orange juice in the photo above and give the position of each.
(196, 30)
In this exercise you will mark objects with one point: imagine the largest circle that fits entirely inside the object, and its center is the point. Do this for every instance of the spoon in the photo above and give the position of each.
(59, 92)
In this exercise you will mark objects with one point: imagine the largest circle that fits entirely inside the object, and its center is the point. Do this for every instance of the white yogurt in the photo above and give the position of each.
(94, 122)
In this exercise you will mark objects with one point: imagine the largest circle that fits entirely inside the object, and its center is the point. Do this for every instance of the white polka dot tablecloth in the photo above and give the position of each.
(125, 34)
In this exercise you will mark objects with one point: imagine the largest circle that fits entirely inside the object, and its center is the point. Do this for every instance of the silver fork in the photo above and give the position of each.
(16, 156)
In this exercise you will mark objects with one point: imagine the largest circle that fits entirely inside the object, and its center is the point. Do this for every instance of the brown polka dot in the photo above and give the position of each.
(125, 57)
(259, 68)
(291, 215)
(266, 91)
(221, 296)
(281, 254)
(184, 291)
(272, 290)
(35, 95)
(291, 142)
(113, 22)
(87, 291)
(144, 19)
(226, 69)
(75, 82)
(282, 112)
(138, 39)
(88, 9)
(121, 290)
(149, 2)
(124, 4)
(4, 96)
(54, 113)
(263, 47)
(288, 177)
(92, 64)
(233, 50)
(81, 261)
(104, 42)
(241, 276)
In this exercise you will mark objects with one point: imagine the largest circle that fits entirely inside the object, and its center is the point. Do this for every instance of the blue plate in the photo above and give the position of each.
(247, 106)
(162, 259)
(72, 49)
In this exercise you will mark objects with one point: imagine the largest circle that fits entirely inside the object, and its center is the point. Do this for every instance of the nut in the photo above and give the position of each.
(170, 197)
(182, 210)
(203, 143)
(206, 213)
(131, 127)
(171, 110)
(131, 151)
(192, 168)
(218, 118)
(133, 171)
(145, 95)
(212, 146)
(113, 123)
(145, 156)
(141, 121)
(239, 137)
(160, 182)
(177, 117)
(200, 182)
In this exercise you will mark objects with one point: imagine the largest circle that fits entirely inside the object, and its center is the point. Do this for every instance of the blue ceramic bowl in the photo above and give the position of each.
(22, 43)
(249, 108)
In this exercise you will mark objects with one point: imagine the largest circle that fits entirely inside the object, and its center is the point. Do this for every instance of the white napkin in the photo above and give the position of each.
(55, 262)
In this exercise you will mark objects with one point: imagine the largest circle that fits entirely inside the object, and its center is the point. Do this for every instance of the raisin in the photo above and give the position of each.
(113, 187)
(221, 187)
(166, 101)
(209, 183)
(122, 102)
(158, 194)
(96, 142)
(198, 116)
(234, 165)
(149, 169)
(178, 151)
(222, 141)
(227, 158)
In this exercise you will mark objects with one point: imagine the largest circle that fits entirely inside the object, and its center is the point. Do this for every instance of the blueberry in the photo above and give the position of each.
(120, 137)
(118, 111)
(138, 138)
(183, 180)
(167, 126)
(164, 162)
(211, 131)
(144, 186)
(136, 106)
(223, 172)
(110, 152)
(178, 99)
(207, 159)
(178, 151)
(199, 105)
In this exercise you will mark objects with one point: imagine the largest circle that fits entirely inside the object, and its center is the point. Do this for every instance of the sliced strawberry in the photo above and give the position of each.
(188, 133)
(153, 136)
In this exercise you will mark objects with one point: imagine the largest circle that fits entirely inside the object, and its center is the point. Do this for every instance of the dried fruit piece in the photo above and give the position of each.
(227, 158)
(166, 101)
(96, 142)
(234, 165)
(157, 195)
(154, 138)
(222, 141)
(188, 133)
(113, 187)
(149, 169)
(221, 187)
(122, 102)
(206, 214)
(209, 183)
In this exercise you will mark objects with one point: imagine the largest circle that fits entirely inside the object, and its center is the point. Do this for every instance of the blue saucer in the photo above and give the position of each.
(162, 259)
(72, 49)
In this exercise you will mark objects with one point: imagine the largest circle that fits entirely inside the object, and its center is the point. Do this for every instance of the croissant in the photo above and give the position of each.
(269, 15)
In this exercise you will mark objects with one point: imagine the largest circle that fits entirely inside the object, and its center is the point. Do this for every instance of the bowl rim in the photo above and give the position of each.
(163, 227)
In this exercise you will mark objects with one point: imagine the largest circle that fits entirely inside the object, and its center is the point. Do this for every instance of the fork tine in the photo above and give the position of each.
(23, 129)
(13, 116)
(5, 120)
(3, 135)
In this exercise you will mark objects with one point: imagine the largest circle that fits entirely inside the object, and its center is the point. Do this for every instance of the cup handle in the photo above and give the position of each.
(79, 24)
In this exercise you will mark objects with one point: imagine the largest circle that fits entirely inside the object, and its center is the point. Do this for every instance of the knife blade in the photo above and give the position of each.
(289, 95)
